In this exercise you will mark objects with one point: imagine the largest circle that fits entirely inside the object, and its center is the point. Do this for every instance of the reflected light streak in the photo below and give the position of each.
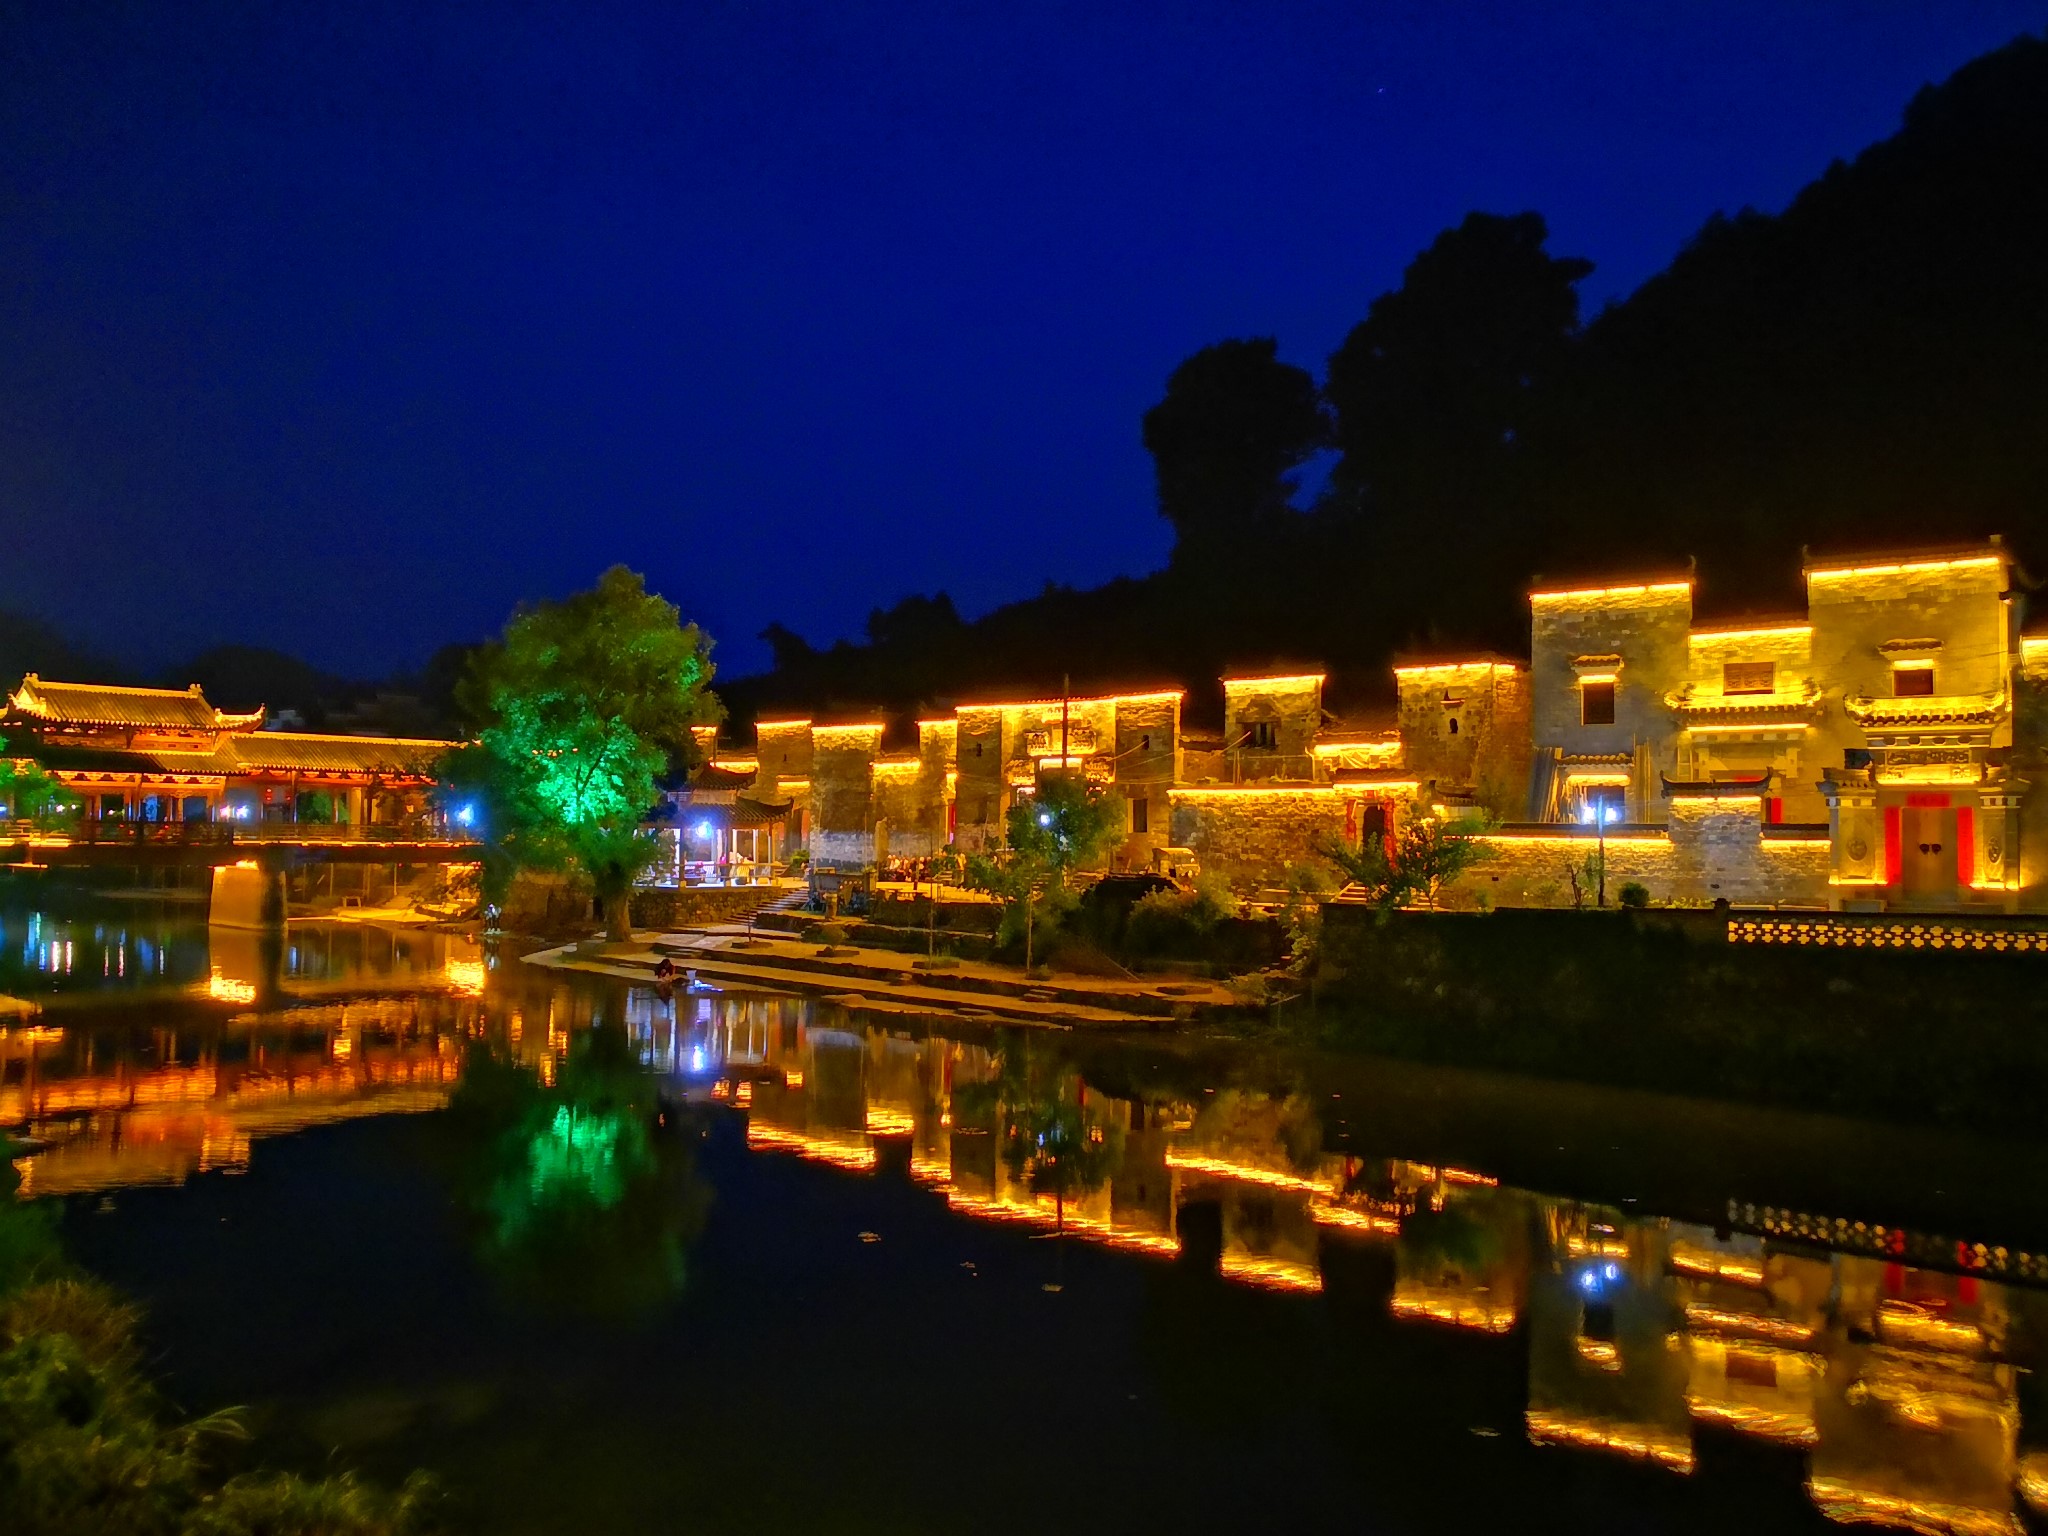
(1272, 1274)
(839, 1154)
(466, 976)
(1640, 1443)
(1187, 1162)
(1846, 1504)
(225, 989)
(1706, 1319)
(1453, 1311)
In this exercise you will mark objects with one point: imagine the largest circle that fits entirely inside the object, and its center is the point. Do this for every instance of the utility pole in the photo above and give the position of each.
(1600, 820)
(1066, 693)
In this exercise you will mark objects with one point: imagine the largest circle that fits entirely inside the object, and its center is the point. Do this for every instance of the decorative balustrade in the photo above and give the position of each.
(1843, 930)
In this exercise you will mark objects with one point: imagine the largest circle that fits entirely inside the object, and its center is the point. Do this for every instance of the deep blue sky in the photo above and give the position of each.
(341, 328)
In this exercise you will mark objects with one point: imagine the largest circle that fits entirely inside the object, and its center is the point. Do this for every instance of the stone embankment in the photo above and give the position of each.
(885, 979)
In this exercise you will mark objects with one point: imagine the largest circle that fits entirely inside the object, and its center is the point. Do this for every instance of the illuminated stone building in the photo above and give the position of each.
(1877, 727)
(168, 755)
(1857, 754)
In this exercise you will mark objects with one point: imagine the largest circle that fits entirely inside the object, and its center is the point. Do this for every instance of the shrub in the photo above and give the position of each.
(1178, 924)
(827, 933)
(1633, 893)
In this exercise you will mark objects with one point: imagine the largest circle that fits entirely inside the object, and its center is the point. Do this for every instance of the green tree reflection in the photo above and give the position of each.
(584, 1196)
(1052, 1138)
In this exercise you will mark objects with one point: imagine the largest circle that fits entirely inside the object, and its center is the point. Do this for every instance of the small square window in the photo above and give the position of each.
(1261, 735)
(1749, 677)
(1912, 682)
(1596, 703)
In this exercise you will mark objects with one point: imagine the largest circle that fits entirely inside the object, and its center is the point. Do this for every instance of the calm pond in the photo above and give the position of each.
(604, 1260)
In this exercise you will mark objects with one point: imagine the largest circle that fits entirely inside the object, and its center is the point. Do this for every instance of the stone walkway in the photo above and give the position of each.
(881, 978)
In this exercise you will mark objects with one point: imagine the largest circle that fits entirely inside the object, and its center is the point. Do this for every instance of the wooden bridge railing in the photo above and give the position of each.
(225, 834)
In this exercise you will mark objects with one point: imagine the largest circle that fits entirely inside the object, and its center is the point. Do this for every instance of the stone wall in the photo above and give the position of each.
(843, 792)
(1147, 750)
(1292, 706)
(979, 794)
(1252, 837)
(688, 906)
(1466, 725)
(1702, 855)
(1636, 635)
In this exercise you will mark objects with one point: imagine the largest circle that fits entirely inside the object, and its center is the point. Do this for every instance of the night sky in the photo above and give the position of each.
(342, 328)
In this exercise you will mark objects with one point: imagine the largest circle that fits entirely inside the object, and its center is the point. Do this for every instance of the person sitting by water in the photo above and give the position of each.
(666, 970)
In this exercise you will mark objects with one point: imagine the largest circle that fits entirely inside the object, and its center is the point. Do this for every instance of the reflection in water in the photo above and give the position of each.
(245, 1036)
(583, 1187)
(1896, 1387)
(1642, 1334)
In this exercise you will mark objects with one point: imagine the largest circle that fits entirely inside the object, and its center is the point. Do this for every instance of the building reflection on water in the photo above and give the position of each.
(1897, 1388)
(248, 1036)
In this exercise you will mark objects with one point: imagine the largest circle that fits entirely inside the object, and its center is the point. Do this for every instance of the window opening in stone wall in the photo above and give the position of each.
(1261, 735)
(1915, 682)
(1749, 677)
(1141, 815)
(1596, 703)
(1144, 743)
(1454, 725)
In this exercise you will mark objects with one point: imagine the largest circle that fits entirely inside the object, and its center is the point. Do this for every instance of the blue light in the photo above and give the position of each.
(703, 829)
(1045, 818)
(466, 816)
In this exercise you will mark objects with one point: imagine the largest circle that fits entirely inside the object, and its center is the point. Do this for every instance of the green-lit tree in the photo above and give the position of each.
(582, 708)
(28, 793)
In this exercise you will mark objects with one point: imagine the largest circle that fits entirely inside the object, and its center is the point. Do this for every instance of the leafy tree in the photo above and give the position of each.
(584, 707)
(1067, 825)
(1235, 422)
(28, 793)
(1426, 855)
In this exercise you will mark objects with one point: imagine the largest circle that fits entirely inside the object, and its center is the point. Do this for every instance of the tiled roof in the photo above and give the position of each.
(1961, 709)
(174, 709)
(285, 750)
(711, 777)
(257, 751)
(63, 758)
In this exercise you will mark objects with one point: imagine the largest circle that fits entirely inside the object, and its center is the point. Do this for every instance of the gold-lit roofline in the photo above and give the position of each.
(1602, 594)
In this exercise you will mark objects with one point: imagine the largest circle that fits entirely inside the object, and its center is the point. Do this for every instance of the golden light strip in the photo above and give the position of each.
(1301, 679)
(780, 725)
(1727, 800)
(1905, 568)
(1296, 791)
(1595, 594)
(1447, 668)
(1724, 636)
(1756, 725)
(1641, 840)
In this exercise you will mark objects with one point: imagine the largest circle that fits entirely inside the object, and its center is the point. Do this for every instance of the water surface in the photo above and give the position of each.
(721, 1261)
